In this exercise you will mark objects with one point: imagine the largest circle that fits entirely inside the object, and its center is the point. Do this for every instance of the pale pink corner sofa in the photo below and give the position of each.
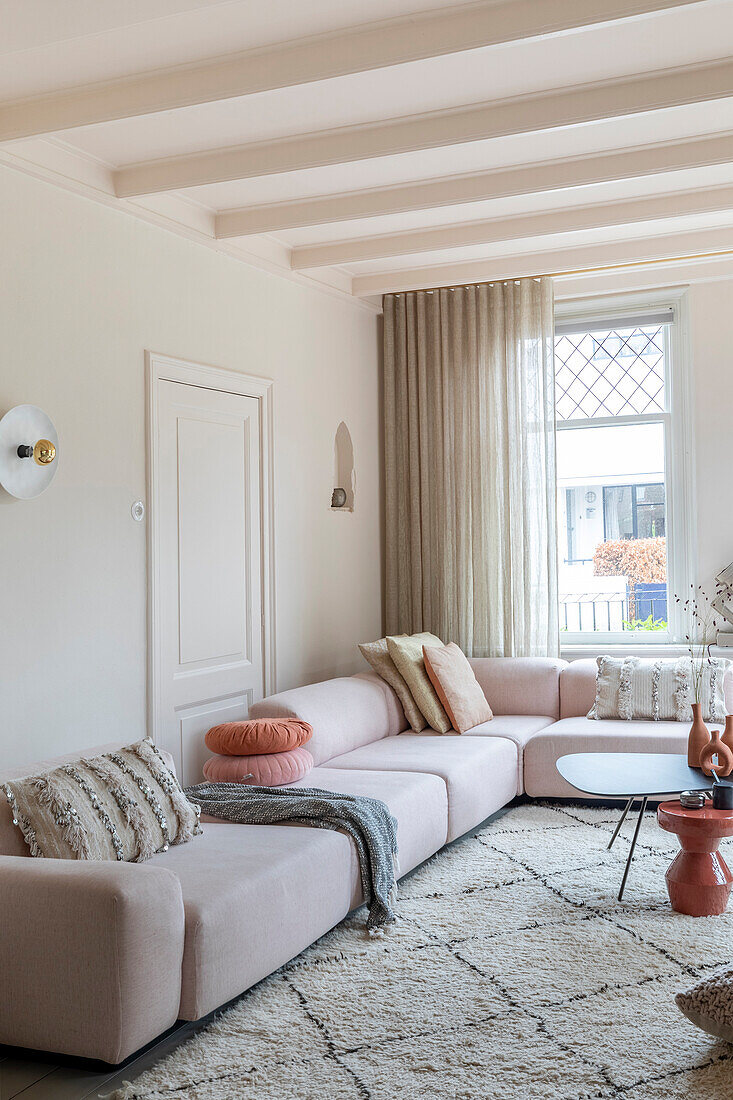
(96, 960)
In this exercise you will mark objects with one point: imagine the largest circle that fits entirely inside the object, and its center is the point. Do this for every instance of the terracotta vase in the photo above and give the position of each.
(698, 739)
(716, 747)
(727, 737)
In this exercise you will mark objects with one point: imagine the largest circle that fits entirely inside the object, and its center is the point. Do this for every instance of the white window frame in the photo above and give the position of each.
(678, 459)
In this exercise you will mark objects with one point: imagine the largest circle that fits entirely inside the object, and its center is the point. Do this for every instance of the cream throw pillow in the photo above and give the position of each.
(709, 1004)
(124, 805)
(458, 689)
(406, 652)
(377, 654)
(660, 690)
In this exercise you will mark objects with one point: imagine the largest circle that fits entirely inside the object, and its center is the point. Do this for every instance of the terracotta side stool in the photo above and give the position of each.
(698, 879)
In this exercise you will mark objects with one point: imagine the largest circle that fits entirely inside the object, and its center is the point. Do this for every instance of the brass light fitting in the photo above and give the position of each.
(43, 453)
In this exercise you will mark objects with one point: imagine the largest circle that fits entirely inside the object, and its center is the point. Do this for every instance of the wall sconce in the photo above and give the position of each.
(28, 452)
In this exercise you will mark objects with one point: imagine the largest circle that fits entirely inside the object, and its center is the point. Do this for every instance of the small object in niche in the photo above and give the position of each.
(692, 800)
(338, 499)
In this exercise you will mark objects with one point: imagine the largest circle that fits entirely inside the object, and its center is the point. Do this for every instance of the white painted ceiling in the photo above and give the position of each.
(89, 88)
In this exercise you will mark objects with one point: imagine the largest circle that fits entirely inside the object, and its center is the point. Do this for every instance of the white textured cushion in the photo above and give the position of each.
(658, 689)
(709, 1004)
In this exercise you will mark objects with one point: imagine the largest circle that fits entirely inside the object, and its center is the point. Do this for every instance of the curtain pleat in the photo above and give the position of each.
(470, 466)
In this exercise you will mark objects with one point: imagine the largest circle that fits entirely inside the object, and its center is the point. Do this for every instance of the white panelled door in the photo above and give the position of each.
(208, 563)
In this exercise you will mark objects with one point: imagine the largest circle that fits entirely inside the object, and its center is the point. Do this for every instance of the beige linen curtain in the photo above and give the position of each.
(470, 466)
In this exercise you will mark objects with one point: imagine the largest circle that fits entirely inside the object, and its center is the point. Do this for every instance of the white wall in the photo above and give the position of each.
(711, 310)
(84, 290)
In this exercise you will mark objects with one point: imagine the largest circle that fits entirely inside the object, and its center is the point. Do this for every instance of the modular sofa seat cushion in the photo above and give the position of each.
(521, 685)
(254, 896)
(519, 728)
(480, 773)
(418, 802)
(570, 735)
(578, 689)
(90, 955)
(270, 769)
(344, 713)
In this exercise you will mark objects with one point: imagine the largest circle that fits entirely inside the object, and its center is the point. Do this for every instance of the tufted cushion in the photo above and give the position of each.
(260, 735)
(273, 769)
(709, 1004)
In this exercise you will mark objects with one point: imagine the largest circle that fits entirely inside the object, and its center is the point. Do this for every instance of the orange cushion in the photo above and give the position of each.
(264, 770)
(261, 735)
(456, 686)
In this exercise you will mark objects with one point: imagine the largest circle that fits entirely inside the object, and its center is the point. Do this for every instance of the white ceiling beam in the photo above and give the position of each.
(529, 179)
(360, 49)
(568, 219)
(437, 129)
(555, 262)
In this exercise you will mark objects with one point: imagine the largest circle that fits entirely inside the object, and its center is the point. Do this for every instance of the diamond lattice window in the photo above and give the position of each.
(619, 372)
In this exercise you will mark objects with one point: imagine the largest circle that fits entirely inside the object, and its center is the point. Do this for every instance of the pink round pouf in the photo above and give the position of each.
(270, 769)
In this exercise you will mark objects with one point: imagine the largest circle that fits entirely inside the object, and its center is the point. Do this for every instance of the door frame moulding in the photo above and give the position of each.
(165, 368)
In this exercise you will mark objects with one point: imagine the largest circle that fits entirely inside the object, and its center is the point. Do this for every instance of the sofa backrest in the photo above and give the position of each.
(520, 685)
(578, 688)
(11, 838)
(345, 713)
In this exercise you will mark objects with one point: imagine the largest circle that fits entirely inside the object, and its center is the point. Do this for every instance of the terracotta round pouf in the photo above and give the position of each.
(698, 879)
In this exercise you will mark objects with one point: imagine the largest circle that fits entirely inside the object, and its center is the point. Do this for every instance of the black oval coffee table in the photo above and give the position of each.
(630, 775)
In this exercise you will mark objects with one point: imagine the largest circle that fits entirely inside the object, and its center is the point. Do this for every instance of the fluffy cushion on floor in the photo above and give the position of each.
(377, 654)
(273, 769)
(260, 735)
(456, 685)
(709, 1004)
(406, 652)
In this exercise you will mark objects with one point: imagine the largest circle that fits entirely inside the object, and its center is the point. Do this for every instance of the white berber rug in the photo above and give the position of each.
(512, 972)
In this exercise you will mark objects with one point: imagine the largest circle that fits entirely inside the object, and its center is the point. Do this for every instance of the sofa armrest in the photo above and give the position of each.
(90, 955)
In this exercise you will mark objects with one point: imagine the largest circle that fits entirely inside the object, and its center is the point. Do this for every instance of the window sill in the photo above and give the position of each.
(576, 651)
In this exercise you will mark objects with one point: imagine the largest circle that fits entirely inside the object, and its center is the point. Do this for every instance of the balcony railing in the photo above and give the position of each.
(582, 612)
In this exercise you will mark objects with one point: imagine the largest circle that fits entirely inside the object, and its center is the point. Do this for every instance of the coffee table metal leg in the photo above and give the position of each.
(633, 846)
(620, 822)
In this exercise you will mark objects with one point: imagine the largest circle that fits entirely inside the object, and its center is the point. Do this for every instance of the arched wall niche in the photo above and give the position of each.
(344, 476)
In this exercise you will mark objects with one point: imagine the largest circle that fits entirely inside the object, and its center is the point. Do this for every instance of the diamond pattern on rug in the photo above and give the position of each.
(513, 971)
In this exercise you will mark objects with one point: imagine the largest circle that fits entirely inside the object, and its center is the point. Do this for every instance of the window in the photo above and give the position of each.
(623, 482)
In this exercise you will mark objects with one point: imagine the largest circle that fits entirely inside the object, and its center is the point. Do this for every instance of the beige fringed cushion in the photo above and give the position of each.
(124, 805)
(406, 652)
(377, 654)
(660, 690)
(709, 1004)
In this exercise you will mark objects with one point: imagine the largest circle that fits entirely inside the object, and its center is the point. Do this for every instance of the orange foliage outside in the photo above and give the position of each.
(641, 561)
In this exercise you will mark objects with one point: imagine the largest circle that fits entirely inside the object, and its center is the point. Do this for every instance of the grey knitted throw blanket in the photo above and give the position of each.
(367, 821)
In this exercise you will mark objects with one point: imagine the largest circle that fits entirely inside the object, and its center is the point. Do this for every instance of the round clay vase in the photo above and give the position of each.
(698, 739)
(716, 747)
